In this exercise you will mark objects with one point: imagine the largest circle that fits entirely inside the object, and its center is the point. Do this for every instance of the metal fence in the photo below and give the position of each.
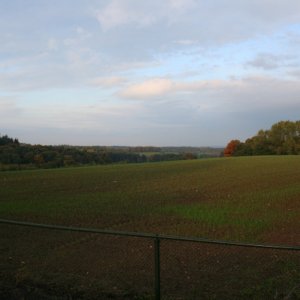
(124, 265)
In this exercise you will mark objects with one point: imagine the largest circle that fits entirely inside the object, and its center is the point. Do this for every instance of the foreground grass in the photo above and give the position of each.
(243, 198)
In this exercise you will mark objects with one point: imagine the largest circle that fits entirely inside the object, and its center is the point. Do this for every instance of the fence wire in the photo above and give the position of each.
(39, 263)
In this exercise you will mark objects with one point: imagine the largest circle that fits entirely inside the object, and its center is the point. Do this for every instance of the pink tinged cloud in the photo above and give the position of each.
(161, 86)
(148, 89)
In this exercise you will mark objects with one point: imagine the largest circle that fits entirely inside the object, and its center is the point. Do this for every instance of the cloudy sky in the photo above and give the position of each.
(139, 72)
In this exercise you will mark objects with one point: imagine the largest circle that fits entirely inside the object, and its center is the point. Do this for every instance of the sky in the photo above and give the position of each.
(139, 72)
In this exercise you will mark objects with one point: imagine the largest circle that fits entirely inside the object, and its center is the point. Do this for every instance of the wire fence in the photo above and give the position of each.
(39, 261)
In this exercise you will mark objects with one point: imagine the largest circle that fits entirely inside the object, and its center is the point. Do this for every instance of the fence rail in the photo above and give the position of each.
(156, 240)
(150, 235)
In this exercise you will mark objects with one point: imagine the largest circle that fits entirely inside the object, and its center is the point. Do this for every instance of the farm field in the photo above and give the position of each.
(249, 199)
(246, 199)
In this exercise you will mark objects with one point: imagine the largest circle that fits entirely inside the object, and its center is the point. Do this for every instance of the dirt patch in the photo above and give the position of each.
(89, 266)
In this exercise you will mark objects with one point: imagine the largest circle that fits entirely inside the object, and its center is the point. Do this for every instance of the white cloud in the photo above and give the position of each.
(295, 73)
(9, 110)
(182, 54)
(107, 82)
(186, 42)
(83, 33)
(264, 61)
(52, 44)
(270, 61)
(182, 5)
(270, 92)
(143, 14)
(104, 117)
(231, 95)
(202, 20)
(79, 38)
(158, 87)
(118, 13)
(148, 88)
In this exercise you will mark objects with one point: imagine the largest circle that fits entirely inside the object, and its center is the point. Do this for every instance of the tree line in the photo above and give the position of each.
(283, 138)
(15, 155)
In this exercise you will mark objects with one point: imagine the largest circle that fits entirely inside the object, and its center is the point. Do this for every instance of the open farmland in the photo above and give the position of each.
(248, 199)
(251, 199)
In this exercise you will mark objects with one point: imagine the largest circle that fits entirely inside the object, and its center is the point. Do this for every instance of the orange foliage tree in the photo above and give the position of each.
(231, 147)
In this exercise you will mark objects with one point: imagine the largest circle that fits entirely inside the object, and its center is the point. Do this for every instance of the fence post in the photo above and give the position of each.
(157, 267)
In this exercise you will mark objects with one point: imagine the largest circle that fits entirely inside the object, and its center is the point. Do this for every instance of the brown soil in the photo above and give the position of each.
(38, 264)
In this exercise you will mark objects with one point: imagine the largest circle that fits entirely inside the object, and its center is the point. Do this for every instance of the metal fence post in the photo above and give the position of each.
(157, 267)
(156, 239)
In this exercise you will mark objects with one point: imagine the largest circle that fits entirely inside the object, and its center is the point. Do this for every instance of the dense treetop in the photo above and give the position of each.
(15, 155)
(283, 138)
(6, 140)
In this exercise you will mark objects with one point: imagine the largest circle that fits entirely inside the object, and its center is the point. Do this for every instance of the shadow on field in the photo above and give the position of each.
(48, 264)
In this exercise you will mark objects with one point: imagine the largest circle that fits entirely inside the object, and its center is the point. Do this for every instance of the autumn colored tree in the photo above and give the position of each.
(231, 148)
(283, 138)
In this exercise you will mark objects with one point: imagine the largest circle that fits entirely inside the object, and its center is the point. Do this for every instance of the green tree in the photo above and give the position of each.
(282, 138)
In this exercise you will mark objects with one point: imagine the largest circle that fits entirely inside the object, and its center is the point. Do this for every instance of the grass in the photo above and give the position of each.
(236, 198)
(251, 199)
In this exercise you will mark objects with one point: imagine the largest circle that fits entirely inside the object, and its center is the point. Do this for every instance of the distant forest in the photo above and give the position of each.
(282, 139)
(15, 155)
